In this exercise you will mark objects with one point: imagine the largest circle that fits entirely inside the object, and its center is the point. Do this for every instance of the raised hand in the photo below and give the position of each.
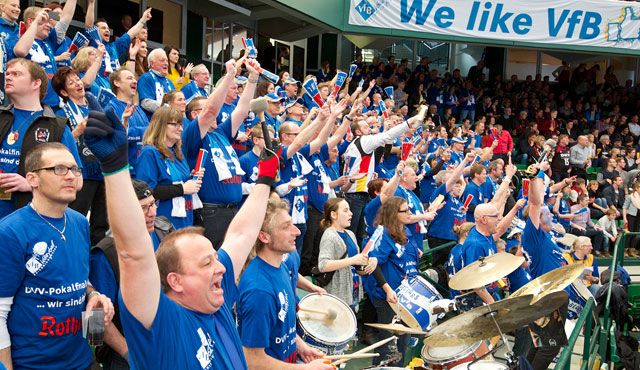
(106, 138)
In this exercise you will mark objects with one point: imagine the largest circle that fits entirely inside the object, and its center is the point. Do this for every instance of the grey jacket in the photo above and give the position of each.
(332, 247)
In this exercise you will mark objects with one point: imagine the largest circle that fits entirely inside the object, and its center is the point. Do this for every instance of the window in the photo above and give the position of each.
(166, 25)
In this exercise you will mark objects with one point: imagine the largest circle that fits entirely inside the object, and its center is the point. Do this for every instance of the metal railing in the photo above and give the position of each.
(598, 338)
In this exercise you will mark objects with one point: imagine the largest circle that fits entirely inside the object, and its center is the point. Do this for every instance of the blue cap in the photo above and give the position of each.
(293, 102)
(273, 98)
(457, 139)
(241, 80)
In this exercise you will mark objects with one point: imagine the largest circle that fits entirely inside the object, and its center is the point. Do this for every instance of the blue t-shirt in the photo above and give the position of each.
(478, 198)
(156, 171)
(48, 277)
(292, 261)
(442, 225)
(138, 123)
(206, 341)
(191, 90)
(489, 188)
(370, 212)
(10, 153)
(318, 189)
(454, 264)
(225, 112)
(114, 49)
(427, 185)
(477, 245)
(290, 168)
(266, 310)
(249, 164)
(153, 86)
(545, 253)
(218, 144)
(42, 52)
(519, 278)
(396, 261)
(416, 208)
(564, 209)
(391, 161)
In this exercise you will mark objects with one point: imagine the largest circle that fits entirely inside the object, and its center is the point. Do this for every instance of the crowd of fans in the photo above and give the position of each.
(394, 157)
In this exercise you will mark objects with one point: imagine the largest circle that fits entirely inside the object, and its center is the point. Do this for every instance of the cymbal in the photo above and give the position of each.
(553, 281)
(396, 328)
(483, 322)
(485, 271)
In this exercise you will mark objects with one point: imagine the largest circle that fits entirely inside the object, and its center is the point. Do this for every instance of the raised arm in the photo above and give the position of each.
(457, 172)
(22, 47)
(92, 72)
(242, 109)
(90, 16)
(323, 137)
(305, 136)
(67, 12)
(338, 134)
(500, 198)
(390, 187)
(211, 108)
(504, 224)
(536, 197)
(146, 17)
(245, 226)
(139, 274)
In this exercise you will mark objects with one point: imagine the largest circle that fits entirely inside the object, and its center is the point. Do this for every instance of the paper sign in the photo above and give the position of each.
(341, 77)
(250, 48)
(468, 201)
(352, 70)
(203, 155)
(406, 150)
(389, 91)
(311, 88)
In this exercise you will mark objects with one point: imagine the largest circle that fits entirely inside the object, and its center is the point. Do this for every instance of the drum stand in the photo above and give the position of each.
(512, 360)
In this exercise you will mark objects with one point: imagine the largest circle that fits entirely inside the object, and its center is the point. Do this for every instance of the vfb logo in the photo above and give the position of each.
(365, 9)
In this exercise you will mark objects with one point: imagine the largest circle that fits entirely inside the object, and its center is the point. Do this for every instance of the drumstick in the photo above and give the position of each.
(349, 356)
(367, 349)
(330, 314)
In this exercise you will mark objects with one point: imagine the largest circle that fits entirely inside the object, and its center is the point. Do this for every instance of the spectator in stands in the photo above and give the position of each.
(221, 191)
(339, 252)
(162, 165)
(581, 225)
(631, 220)
(580, 157)
(54, 241)
(137, 62)
(505, 143)
(154, 84)
(175, 99)
(87, 66)
(9, 28)
(114, 49)
(40, 41)
(177, 73)
(25, 86)
(199, 80)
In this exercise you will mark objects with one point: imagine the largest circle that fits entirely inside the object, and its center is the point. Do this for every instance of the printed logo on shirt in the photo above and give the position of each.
(284, 305)
(42, 135)
(42, 254)
(400, 250)
(205, 352)
(58, 328)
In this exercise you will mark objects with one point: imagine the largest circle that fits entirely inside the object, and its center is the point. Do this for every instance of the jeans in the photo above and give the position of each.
(471, 114)
(357, 202)
(597, 237)
(385, 315)
(522, 341)
(215, 219)
(92, 198)
(300, 238)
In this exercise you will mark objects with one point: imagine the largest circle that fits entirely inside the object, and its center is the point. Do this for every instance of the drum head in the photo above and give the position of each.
(438, 355)
(340, 330)
(482, 365)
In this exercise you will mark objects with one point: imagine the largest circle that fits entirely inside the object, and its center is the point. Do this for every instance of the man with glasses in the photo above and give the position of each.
(105, 276)
(272, 114)
(199, 79)
(24, 125)
(43, 299)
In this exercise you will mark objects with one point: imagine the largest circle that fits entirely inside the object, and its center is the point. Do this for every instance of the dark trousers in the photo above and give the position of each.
(540, 358)
(92, 198)
(215, 219)
(311, 242)
(385, 316)
(634, 225)
(597, 237)
(579, 171)
(357, 202)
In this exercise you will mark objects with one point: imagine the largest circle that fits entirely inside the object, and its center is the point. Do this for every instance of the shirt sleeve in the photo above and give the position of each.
(122, 44)
(146, 168)
(146, 90)
(13, 262)
(68, 141)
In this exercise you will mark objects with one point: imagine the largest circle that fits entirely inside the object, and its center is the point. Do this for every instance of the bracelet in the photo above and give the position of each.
(132, 60)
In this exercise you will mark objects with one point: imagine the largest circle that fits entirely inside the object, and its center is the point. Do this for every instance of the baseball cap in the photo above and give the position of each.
(293, 102)
(291, 80)
(457, 139)
(142, 189)
(273, 98)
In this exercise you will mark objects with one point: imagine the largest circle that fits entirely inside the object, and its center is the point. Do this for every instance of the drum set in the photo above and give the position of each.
(467, 340)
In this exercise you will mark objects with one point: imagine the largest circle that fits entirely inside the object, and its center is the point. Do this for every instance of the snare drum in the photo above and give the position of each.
(579, 294)
(331, 337)
(482, 365)
(446, 358)
(414, 302)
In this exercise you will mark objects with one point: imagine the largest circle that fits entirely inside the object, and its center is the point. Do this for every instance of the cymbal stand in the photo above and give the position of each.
(512, 360)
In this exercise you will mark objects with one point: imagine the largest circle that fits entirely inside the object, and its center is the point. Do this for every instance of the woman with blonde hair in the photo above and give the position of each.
(87, 63)
(162, 165)
(581, 253)
(339, 252)
(455, 262)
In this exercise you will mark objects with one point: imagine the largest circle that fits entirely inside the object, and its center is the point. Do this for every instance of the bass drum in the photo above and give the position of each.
(331, 337)
(447, 358)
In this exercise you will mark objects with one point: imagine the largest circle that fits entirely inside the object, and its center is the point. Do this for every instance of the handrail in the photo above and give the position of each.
(565, 357)
(434, 249)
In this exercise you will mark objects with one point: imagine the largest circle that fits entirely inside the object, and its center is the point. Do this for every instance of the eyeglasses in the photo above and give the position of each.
(62, 170)
(148, 207)
(177, 124)
(403, 210)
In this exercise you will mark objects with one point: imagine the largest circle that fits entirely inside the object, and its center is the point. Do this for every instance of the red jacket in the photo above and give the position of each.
(505, 143)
